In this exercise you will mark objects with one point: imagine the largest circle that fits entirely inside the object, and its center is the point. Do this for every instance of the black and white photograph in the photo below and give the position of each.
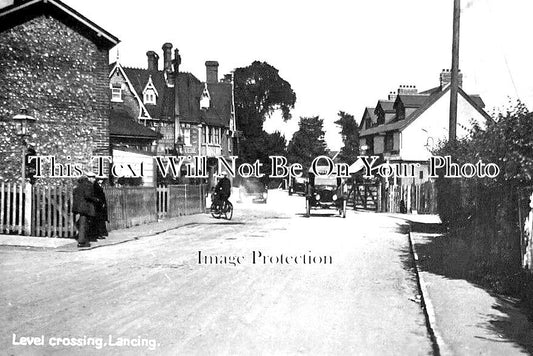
(275, 178)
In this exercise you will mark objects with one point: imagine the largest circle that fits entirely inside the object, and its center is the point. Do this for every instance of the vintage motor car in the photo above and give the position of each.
(297, 186)
(326, 192)
(253, 189)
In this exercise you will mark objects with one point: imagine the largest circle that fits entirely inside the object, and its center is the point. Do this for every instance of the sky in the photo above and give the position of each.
(336, 54)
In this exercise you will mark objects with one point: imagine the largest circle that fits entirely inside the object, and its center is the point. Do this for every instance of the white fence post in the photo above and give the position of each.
(27, 208)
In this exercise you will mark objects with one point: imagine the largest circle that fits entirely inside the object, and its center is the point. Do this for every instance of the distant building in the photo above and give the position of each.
(192, 117)
(407, 126)
(54, 64)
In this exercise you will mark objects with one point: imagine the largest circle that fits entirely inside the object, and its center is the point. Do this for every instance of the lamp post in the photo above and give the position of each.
(22, 123)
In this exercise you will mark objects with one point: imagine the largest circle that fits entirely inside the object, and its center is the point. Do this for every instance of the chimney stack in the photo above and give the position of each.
(167, 57)
(153, 60)
(177, 61)
(392, 96)
(446, 78)
(407, 90)
(211, 68)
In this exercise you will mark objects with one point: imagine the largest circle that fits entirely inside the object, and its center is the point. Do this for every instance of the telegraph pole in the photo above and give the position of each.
(454, 85)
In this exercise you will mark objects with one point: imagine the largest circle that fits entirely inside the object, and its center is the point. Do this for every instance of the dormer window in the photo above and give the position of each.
(205, 99)
(149, 97)
(116, 92)
(150, 93)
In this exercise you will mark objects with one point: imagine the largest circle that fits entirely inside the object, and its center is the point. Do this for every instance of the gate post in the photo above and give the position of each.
(27, 191)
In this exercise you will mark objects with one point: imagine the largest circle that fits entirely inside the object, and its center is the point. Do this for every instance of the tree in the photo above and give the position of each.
(263, 146)
(350, 137)
(259, 91)
(308, 142)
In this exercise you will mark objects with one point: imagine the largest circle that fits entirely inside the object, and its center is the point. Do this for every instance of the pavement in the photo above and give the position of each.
(466, 319)
(115, 237)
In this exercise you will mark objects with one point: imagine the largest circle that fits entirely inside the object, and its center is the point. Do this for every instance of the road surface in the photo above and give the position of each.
(318, 285)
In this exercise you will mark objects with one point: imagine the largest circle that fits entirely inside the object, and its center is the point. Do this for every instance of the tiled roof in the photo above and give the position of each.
(385, 105)
(369, 112)
(164, 106)
(189, 93)
(411, 101)
(121, 124)
(424, 102)
(477, 99)
(431, 91)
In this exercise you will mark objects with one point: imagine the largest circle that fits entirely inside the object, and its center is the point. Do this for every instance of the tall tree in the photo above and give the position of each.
(259, 92)
(308, 142)
(350, 137)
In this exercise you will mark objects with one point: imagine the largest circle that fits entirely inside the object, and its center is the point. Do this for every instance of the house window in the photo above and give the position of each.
(217, 136)
(205, 99)
(186, 134)
(389, 142)
(210, 134)
(149, 97)
(116, 93)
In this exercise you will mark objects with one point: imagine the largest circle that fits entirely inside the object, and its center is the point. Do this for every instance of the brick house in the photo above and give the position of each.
(53, 63)
(408, 125)
(191, 116)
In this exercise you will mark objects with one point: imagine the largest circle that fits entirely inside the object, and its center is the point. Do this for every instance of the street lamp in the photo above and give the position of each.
(23, 121)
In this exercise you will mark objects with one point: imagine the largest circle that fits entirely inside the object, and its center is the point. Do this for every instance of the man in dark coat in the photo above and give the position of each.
(223, 189)
(83, 205)
(101, 211)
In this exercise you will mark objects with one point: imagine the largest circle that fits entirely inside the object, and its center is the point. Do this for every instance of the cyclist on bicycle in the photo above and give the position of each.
(223, 190)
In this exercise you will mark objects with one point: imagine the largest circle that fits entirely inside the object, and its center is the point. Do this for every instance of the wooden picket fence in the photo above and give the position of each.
(52, 211)
(13, 207)
(130, 206)
(181, 199)
(48, 211)
(414, 198)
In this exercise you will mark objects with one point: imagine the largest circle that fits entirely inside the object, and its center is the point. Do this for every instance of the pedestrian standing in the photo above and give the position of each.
(83, 206)
(101, 211)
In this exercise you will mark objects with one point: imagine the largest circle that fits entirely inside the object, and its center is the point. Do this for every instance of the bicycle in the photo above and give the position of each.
(217, 211)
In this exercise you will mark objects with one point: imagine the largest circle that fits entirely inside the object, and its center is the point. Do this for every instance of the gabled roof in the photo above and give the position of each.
(386, 105)
(24, 10)
(190, 91)
(369, 112)
(139, 78)
(150, 85)
(122, 125)
(411, 101)
(473, 100)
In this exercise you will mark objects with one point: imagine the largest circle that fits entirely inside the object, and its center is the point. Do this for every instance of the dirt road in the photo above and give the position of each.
(355, 294)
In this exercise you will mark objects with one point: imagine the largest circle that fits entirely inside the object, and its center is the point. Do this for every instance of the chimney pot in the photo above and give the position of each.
(167, 57)
(446, 78)
(153, 60)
